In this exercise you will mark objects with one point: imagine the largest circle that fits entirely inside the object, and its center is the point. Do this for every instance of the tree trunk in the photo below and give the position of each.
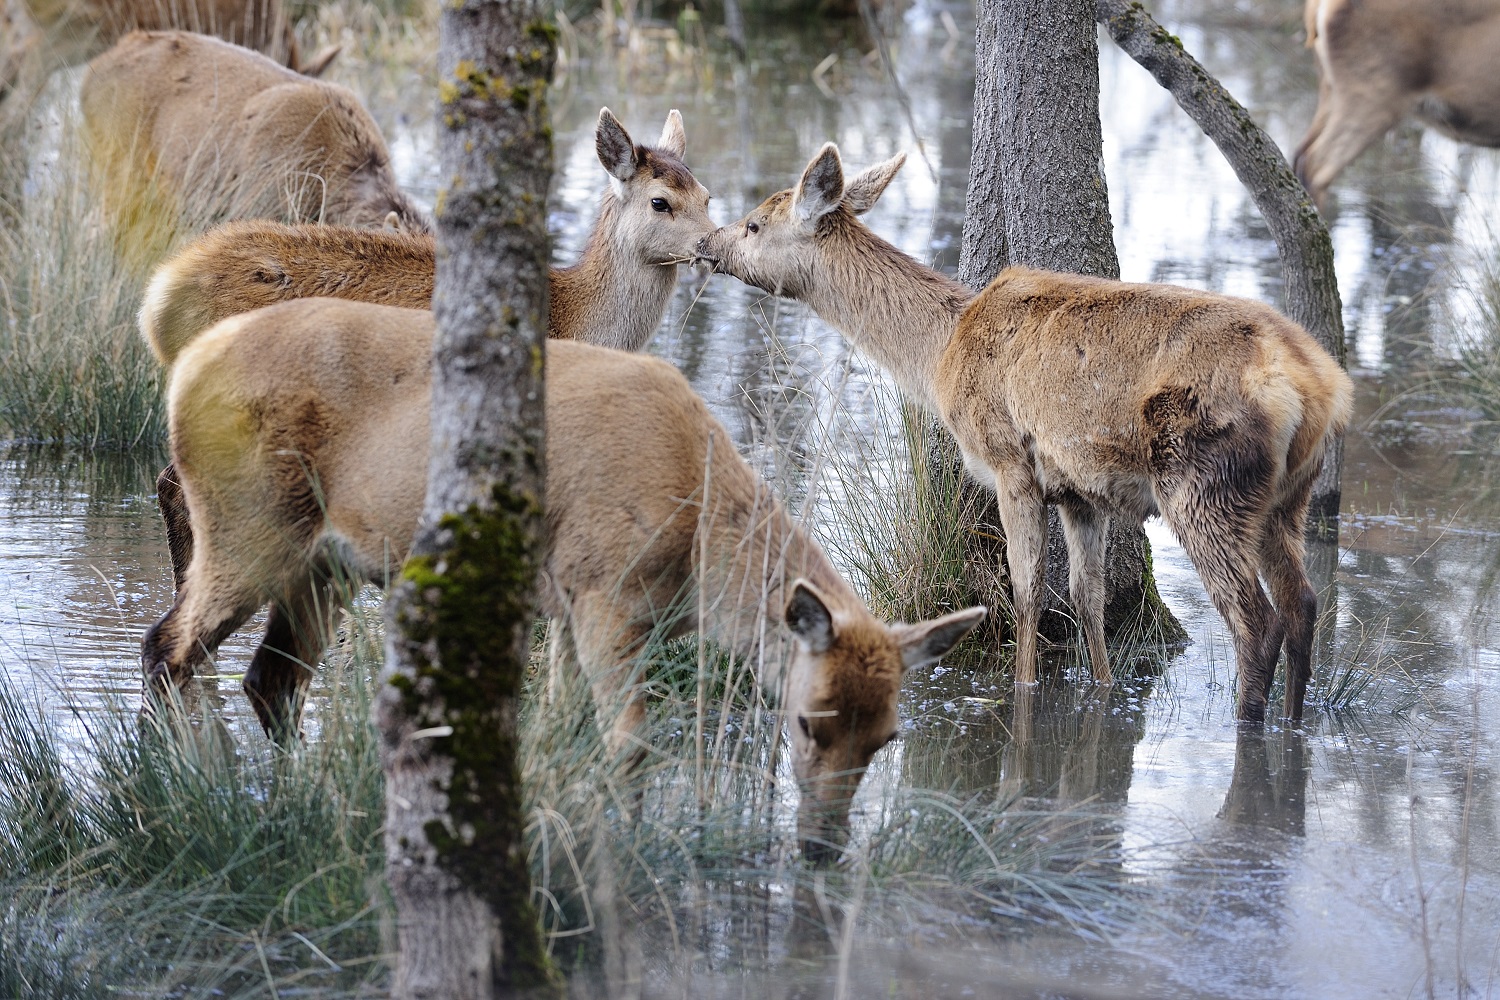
(1037, 197)
(459, 623)
(1302, 240)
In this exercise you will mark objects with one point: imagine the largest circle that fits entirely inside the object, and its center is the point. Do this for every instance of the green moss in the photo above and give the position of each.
(471, 617)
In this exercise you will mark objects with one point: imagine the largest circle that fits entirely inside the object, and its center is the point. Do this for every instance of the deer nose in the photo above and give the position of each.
(705, 251)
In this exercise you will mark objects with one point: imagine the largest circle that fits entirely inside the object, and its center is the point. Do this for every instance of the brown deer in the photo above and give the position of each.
(44, 35)
(184, 129)
(300, 432)
(1102, 397)
(650, 218)
(1381, 60)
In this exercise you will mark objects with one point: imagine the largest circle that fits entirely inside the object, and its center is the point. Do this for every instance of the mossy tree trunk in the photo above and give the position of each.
(1037, 196)
(459, 622)
(1302, 240)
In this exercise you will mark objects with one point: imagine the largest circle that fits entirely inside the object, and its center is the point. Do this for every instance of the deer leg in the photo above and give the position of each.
(1023, 515)
(281, 669)
(1281, 552)
(174, 511)
(205, 612)
(1217, 539)
(1085, 532)
(607, 641)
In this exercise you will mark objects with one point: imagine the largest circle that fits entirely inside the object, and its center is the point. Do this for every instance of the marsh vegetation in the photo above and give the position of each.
(1074, 842)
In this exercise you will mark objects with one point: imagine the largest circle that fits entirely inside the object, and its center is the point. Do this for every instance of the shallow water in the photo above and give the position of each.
(1359, 856)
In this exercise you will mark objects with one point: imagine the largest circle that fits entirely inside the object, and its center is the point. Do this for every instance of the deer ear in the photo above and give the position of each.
(615, 147)
(673, 139)
(807, 617)
(926, 641)
(822, 185)
(865, 190)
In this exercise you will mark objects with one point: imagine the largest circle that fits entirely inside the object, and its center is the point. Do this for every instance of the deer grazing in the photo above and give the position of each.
(184, 129)
(1381, 60)
(650, 218)
(300, 432)
(1105, 398)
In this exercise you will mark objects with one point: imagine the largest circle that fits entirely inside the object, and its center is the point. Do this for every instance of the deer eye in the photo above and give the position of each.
(753, 227)
(806, 729)
(660, 204)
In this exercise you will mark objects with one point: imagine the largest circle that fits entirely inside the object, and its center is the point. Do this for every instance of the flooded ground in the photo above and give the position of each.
(1357, 857)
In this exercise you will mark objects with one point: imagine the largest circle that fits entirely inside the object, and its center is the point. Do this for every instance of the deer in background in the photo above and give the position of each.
(1381, 60)
(183, 129)
(650, 218)
(44, 35)
(300, 433)
(1102, 397)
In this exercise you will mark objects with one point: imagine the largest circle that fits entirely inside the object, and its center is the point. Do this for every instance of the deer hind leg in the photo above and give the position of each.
(1085, 532)
(608, 641)
(207, 609)
(1221, 535)
(297, 633)
(1281, 554)
(1023, 515)
(174, 511)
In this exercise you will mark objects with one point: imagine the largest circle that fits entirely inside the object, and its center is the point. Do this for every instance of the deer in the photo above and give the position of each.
(1382, 60)
(183, 129)
(650, 217)
(300, 433)
(44, 35)
(1105, 398)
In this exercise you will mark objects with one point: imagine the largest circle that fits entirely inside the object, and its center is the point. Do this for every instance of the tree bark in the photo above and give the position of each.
(1302, 240)
(1037, 196)
(459, 622)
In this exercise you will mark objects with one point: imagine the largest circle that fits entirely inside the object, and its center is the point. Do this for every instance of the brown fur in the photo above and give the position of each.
(300, 433)
(1102, 397)
(40, 36)
(614, 296)
(185, 129)
(1381, 60)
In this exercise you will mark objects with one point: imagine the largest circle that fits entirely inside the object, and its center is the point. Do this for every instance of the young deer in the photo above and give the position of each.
(1381, 60)
(1099, 396)
(300, 432)
(650, 218)
(184, 128)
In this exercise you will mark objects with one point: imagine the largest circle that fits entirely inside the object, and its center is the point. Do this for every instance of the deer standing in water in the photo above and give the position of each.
(1381, 60)
(1102, 397)
(650, 219)
(183, 129)
(300, 433)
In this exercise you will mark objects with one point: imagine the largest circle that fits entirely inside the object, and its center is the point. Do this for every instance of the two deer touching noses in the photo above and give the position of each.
(1212, 411)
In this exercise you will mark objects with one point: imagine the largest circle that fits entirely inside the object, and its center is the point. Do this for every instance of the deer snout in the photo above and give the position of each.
(706, 252)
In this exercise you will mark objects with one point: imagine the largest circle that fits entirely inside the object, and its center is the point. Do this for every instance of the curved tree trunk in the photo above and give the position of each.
(1302, 240)
(1037, 196)
(459, 623)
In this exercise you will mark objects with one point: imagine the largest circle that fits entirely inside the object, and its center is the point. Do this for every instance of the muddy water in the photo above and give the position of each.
(1358, 857)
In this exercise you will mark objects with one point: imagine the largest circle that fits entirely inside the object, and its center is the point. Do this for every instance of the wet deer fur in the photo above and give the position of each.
(300, 432)
(185, 129)
(1382, 60)
(650, 218)
(1102, 397)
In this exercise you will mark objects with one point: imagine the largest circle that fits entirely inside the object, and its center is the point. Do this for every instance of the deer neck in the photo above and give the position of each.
(898, 311)
(614, 296)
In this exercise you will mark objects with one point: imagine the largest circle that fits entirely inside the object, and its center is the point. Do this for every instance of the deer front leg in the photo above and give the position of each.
(1086, 532)
(608, 642)
(1023, 515)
